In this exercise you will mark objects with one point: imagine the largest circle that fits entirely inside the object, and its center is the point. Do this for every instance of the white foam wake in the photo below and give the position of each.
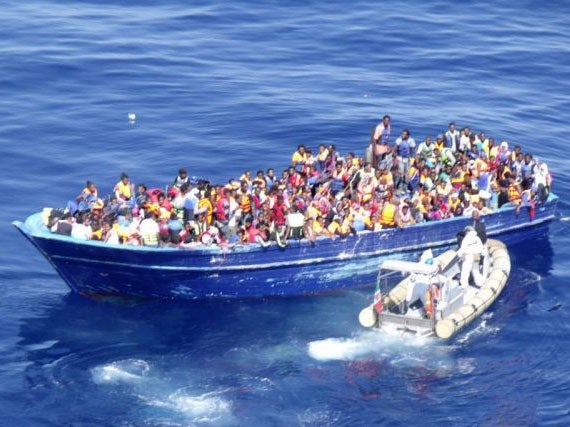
(481, 329)
(368, 342)
(339, 349)
(195, 407)
(122, 371)
(208, 407)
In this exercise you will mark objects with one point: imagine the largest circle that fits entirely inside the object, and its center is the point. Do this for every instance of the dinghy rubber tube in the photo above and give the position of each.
(500, 269)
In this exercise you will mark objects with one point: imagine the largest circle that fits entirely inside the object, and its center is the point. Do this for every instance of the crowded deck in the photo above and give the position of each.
(396, 184)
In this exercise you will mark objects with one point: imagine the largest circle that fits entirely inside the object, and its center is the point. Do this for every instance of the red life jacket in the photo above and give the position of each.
(223, 209)
(278, 214)
(252, 234)
(153, 194)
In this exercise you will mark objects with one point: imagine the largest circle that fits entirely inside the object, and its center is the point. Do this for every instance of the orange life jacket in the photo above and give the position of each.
(432, 296)
(245, 203)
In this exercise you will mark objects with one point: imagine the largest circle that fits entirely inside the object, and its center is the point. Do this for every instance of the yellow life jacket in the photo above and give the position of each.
(390, 178)
(456, 181)
(260, 182)
(323, 156)
(333, 227)
(86, 190)
(122, 232)
(505, 170)
(206, 203)
(317, 227)
(514, 194)
(313, 212)
(365, 193)
(245, 178)
(424, 197)
(345, 227)
(479, 166)
(150, 239)
(298, 157)
(124, 190)
(388, 214)
(453, 203)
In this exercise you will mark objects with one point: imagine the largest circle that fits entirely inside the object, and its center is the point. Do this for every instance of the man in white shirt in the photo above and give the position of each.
(465, 140)
(294, 222)
(470, 252)
(81, 229)
(110, 234)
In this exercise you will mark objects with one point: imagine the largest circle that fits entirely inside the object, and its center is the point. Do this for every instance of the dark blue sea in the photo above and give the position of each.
(220, 87)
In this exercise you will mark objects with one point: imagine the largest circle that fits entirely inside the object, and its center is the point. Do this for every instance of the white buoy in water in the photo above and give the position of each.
(132, 117)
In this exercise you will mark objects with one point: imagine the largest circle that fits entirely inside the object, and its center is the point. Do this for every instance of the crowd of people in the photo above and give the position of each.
(321, 193)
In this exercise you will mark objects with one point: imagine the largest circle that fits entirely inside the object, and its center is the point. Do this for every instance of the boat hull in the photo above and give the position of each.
(96, 268)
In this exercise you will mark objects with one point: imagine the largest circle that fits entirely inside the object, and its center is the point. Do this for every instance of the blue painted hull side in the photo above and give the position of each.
(96, 268)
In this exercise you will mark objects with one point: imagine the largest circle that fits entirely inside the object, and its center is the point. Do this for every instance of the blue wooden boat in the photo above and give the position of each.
(95, 268)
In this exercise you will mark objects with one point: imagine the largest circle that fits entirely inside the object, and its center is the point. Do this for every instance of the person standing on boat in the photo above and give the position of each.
(270, 178)
(481, 230)
(181, 179)
(470, 252)
(379, 146)
(527, 167)
(425, 150)
(452, 138)
(222, 212)
(278, 215)
(404, 152)
(124, 190)
(479, 226)
(464, 140)
(542, 181)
